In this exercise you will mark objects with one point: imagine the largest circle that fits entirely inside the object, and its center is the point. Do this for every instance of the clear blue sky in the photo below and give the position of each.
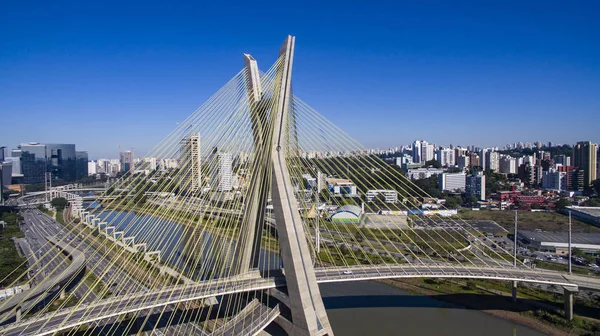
(103, 73)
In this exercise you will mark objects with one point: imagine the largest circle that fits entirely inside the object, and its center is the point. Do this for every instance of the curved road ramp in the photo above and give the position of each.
(15, 305)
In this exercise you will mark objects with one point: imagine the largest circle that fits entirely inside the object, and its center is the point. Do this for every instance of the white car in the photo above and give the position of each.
(347, 272)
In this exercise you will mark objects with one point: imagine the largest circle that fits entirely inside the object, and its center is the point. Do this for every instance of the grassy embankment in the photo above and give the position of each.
(139, 269)
(536, 308)
(12, 265)
(218, 227)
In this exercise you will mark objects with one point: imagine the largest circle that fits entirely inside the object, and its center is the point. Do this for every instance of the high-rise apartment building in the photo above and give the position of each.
(475, 186)
(562, 160)
(189, 161)
(508, 165)
(446, 157)
(126, 160)
(492, 161)
(474, 159)
(225, 172)
(463, 161)
(416, 151)
(427, 152)
(554, 180)
(584, 157)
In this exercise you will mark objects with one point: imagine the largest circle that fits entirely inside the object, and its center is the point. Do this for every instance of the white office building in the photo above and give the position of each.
(390, 196)
(92, 168)
(421, 173)
(453, 182)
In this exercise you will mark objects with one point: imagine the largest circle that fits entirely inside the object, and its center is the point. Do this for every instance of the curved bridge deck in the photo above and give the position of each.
(78, 262)
(73, 317)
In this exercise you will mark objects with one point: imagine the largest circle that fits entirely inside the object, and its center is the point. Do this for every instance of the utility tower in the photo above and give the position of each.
(308, 315)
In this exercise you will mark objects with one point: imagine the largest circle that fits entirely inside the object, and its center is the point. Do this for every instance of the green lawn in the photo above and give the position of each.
(546, 221)
(12, 265)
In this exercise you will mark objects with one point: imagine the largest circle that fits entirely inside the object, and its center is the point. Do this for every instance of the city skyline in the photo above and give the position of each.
(446, 80)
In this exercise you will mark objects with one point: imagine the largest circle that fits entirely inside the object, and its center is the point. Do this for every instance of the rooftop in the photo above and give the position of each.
(592, 211)
(562, 237)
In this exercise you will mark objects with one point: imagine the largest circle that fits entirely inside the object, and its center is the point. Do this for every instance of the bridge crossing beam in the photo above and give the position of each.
(514, 291)
(568, 295)
(129, 240)
(18, 314)
(118, 234)
(137, 246)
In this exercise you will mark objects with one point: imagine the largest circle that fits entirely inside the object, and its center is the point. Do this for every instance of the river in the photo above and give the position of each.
(354, 308)
(374, 308)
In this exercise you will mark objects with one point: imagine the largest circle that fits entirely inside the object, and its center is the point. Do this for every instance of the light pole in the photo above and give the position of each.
(570, 242)
(317, 231)
(515, 242)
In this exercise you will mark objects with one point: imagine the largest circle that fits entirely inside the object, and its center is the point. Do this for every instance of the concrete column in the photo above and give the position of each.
(18, 314)
(569, 299)
(514, 291)
(62, 294)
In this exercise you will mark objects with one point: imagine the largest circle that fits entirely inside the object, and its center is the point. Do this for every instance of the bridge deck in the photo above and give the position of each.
(72, 317)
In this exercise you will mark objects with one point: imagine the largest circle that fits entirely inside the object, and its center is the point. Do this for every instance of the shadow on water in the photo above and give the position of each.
(454, 301)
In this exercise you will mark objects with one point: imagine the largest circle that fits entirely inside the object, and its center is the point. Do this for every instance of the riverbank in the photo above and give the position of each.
(526, 312)
(193, 222)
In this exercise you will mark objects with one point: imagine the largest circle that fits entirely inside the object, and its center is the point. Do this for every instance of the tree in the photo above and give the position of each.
(577, 252)
(563, 203)
(452, 202)
(593, 202)
(429, 185)
(305, 184)
(596, 184)
(324, 194)
(474, 200)
(59, 203)
(433, 163)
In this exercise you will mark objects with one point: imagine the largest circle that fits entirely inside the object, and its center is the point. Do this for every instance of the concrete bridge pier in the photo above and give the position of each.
(18, 314)
(62, 294)
(568, 293)
(514, 291)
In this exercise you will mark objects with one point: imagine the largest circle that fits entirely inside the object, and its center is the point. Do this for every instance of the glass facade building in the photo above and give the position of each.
(59, 159)
(82, 165)
(33, 162)
(62, 161)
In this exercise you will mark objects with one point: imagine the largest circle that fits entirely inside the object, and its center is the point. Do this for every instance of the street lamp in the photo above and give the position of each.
(570, 242)
(515, 241)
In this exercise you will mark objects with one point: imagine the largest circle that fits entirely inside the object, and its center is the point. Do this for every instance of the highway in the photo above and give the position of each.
(37, 227)
(68, 318)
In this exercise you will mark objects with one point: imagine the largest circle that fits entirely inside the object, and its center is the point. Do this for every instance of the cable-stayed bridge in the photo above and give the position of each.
(267, 200)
